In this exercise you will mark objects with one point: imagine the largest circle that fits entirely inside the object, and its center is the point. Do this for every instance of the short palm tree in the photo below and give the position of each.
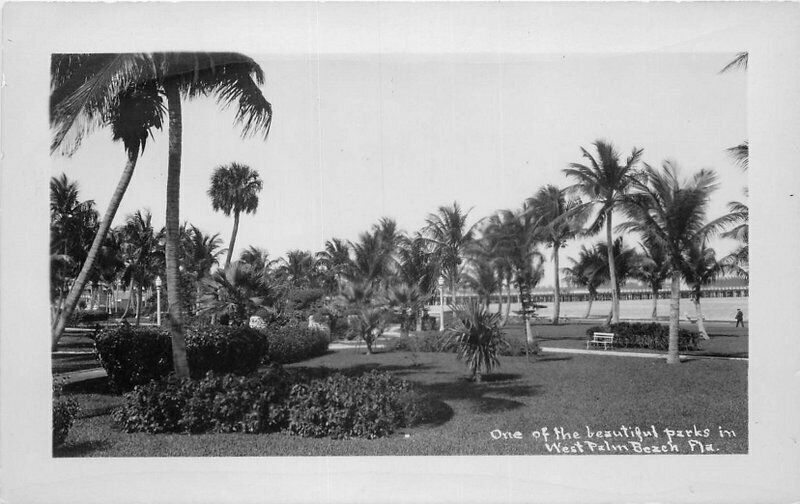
(653, 270)
(478, 336)
(234, 189)
(626, 263)
(604, 182)
(405, 300)
(700, 268)
(559, 224)
(585, 272)
(237, 291)
(671, 212)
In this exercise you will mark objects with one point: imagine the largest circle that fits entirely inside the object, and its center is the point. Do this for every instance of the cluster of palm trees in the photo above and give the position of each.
(384, 268)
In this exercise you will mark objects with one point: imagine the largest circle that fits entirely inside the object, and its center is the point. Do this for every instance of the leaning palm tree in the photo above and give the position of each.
(81, 98)
(672, 213)
(605, 182)
(234, 189)
(700, 268)
(559, 225)
(233, 78)
(450, 236)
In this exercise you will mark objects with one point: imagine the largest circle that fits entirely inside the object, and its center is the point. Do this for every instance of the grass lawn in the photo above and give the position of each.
(555, 390)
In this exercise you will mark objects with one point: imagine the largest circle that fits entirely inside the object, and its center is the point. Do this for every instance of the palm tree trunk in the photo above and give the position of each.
(130, 299)
(500, 301)
(419, 321)
(233, 238)
(674, 317)
(655, 304)
(179, 359)
(589, 308)
(138, 304)
(612, 270)
(91, 257)
(701, 327)
(557, 291)
(531, 345)
(508, 306)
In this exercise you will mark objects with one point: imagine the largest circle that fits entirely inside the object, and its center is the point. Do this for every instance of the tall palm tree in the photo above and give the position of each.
(498, 227)
(559, 225)
(626, 263)
(671, 212)
(740, 153)
(418, 266)
(653, 270)
(700, 268)
(605, 183)
(481, 276)
(234, 189)
(231, 77)
(448, 232)
(518, 234)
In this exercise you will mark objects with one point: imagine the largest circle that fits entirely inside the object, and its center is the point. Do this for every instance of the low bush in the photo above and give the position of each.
(369, 406)
(651, 335)
(65, 409)
(423, 341)
(90, 317)
(217, 403)
(136, 355)
(293, 343)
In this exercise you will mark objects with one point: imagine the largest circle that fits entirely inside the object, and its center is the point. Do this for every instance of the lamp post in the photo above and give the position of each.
(158, 301)
(441, 307)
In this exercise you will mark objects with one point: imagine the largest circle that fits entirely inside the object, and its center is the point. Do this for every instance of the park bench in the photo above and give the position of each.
(601, 338)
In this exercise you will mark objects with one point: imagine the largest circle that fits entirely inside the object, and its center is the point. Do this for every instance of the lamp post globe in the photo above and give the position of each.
(158, 301)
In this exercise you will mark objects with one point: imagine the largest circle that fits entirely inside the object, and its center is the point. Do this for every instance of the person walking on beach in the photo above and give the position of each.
(739, 317)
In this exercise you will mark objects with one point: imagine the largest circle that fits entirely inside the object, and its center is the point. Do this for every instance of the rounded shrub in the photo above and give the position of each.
(64, 412)
(369, 406)
(214, 403)
(223, 349)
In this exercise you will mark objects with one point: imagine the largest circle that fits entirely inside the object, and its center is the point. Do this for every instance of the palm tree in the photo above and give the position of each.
(557, 219)
(626, 263)
(499, 226)
(700, 268)
(736, 226)
(482, 278)
(234, 188)
(233, 78)
(653, 270)
(418, 266)
(584, 273)
(237, 291)
(406, 300)
(672, 213)
(740, 61)
(450, 236)
(335, 263)
(370, 259)
(740, 153)
(83, 95)
(143, 248)
(604, 182)
(72, 224)
(517, 235)
(299, 269)
(477, 332)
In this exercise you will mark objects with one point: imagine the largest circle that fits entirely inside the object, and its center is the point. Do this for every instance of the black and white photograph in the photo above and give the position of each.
(400, 252)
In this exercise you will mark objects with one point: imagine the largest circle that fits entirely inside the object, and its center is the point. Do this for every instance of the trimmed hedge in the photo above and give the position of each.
(435, 341)
(650, 335)
(136, 355)
(369, 406)
(217, 403)
(293, 343)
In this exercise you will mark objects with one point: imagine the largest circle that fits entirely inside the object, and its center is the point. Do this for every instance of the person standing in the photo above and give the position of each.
(739, 317)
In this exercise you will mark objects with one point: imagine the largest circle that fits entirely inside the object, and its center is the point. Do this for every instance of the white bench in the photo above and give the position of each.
(601, 338)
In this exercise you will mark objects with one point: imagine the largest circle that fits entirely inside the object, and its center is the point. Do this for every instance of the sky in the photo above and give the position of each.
(359, 137)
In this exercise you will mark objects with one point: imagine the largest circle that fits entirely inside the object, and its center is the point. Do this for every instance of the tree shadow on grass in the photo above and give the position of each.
(553, 358)
(79, 449)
